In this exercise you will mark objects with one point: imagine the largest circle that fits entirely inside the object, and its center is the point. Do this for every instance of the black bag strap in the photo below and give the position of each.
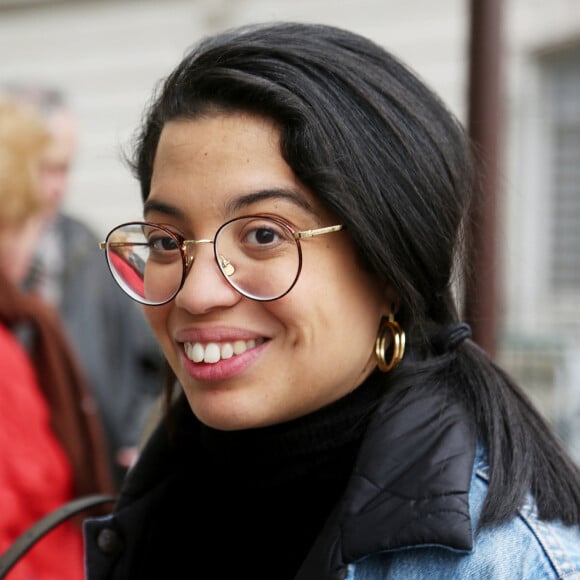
(44, 525)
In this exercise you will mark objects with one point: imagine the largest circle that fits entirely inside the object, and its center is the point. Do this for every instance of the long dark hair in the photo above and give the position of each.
(373, 143)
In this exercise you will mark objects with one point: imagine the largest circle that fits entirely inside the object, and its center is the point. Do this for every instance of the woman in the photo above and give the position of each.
(304, 202)
(51, 447)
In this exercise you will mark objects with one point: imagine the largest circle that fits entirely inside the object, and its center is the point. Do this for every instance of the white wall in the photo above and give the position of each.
(108, 56)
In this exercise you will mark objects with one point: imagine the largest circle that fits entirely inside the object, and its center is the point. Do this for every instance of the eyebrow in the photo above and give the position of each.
(235, 205)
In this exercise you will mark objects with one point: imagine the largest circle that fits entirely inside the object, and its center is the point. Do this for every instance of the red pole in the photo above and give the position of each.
(484, 130)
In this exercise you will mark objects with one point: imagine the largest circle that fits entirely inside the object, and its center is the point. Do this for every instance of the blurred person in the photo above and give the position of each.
(52, 446)
(113, 342)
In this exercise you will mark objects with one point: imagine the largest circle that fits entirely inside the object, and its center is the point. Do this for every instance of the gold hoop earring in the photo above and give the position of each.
(389, 329)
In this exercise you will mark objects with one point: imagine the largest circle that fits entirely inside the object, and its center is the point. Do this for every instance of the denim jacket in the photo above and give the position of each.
(522, 548)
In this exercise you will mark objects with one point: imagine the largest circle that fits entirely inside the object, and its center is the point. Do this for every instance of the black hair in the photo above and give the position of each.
(381, 151)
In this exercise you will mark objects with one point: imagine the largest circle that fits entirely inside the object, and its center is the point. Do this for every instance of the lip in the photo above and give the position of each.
(223, 369)
(216, 334)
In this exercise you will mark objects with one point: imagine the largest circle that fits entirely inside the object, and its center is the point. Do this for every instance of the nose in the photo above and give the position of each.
(204, 287)
(189, 248)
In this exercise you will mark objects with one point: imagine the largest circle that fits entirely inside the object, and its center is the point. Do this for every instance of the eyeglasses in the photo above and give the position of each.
(259, 256)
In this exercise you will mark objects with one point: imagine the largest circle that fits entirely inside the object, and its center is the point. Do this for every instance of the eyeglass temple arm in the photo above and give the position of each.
(298, 235)
(317, 232)
(103, 245)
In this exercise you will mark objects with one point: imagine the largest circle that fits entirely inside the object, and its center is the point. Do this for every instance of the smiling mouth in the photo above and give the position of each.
(213, 352)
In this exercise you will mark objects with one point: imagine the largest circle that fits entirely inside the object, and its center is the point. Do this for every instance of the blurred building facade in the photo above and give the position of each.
(108, 56)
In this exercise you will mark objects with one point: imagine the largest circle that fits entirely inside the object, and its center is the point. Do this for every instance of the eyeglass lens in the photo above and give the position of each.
(258, 256)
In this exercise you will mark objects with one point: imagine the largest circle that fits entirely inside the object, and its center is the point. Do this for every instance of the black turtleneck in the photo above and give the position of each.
(250, 503)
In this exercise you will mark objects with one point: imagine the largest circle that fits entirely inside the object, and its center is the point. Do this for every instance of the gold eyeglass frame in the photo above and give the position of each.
(225, 268)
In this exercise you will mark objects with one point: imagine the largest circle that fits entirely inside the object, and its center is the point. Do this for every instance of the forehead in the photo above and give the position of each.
(206, 162)
(219, 138)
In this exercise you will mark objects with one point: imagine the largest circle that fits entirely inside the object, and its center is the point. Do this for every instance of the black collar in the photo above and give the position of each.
(410, 485)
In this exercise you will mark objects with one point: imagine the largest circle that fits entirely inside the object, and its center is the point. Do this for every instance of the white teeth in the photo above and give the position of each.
(227, 350)
(240, 346)
(213, 352)
(196, 352)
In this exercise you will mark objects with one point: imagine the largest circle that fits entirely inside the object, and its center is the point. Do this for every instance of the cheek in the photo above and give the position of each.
(353, 306)
(330, 317)
(157, 317)
(353, 290)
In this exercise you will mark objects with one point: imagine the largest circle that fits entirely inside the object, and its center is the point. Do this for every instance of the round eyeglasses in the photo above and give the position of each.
(259, 256)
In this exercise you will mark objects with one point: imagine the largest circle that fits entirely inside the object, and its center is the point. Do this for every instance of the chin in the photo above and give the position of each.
(223, 413)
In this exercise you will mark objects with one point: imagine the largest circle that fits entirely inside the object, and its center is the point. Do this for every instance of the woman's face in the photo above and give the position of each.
(300, 352)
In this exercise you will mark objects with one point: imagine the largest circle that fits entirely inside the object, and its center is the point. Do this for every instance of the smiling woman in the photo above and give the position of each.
(270, 261)
(304, 202)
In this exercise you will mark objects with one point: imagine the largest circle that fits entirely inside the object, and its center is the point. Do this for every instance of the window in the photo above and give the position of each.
(562, 73)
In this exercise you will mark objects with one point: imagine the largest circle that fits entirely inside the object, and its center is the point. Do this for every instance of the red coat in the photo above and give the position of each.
(52, 447)
(35, 473)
